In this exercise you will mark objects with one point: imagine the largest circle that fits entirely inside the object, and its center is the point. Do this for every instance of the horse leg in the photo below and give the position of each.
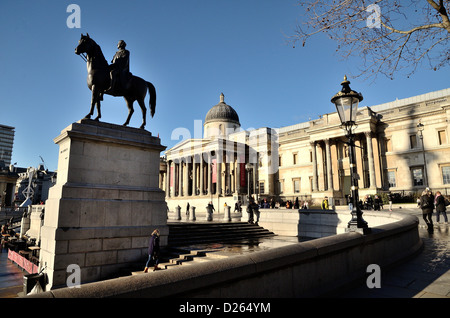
(144, 112)
(130, 110)
(96, 101)
(99, 113)
(91, 112)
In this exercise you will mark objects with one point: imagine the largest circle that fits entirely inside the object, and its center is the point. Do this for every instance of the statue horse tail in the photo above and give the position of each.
(152, 101)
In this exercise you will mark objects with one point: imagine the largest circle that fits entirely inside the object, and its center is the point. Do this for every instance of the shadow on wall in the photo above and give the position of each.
(318, 224)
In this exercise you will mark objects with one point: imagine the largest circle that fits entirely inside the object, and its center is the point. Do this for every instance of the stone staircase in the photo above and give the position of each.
(187, 256)
(190, 243)
(182, 234)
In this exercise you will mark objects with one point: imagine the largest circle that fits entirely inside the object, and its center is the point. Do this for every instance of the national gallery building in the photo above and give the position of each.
(401, 147)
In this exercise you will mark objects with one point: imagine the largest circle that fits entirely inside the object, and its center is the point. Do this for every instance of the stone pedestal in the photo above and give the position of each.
(105, 205)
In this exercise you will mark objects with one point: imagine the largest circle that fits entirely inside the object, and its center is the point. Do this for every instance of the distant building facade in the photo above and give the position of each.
(401, 146)
(8, 176)
(6, 143)
(39, 180)
(15, 180)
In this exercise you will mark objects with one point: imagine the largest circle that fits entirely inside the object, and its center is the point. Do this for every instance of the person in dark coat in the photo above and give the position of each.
(255, 208)
(440, 207)
(376, 203)
(250, 209)
(427, 206)
(296, 204)
(153, 251)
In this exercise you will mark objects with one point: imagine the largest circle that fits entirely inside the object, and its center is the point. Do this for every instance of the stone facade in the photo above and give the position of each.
(215, 168)
(310, 160)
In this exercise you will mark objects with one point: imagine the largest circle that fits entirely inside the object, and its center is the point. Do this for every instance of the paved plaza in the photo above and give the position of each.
(425, 275)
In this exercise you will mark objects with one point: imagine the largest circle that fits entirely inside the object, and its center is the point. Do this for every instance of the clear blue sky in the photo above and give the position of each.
(191, 50)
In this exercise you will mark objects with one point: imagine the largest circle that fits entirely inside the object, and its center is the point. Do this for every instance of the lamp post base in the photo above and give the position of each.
(357, 223)
(355, 228)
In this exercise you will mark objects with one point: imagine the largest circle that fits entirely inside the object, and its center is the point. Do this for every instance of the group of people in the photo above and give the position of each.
(374, 203)
(252, 211)
(7, 231)
(296, 204)
(369, 203)
(428, 202)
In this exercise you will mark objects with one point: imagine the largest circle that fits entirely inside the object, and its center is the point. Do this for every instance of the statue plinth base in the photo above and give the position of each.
(105, 205)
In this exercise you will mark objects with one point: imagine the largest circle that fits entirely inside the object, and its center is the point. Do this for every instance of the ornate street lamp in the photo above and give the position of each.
(346, 102)
(249, 168)
(420, 128)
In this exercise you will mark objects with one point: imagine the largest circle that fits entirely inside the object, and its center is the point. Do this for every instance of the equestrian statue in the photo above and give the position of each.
(114, 79)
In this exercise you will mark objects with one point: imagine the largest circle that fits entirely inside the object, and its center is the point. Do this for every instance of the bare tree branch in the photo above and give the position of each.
(407, 33)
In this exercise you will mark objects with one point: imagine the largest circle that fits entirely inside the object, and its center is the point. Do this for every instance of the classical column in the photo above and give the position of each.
(174, 176)
(238, 176)
(178, 178)
(209, 177)
(194, 176)
(219, 173)
(168, 179)
(372, 183)
(329, 170)
(226, 173)
(255, 180)
(359, 161)
(335, 163)
(178, 184)
(314, 166)
(235, 180)
(185, 177)
(162, 181)
(201, 174)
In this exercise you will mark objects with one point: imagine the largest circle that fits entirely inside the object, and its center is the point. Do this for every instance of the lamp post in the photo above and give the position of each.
(420, 128)
(249, 168)
(346, 102)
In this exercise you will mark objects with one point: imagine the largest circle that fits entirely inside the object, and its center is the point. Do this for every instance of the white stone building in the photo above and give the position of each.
(401, 146)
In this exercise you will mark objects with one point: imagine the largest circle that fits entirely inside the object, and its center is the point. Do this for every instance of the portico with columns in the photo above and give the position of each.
(312, 157)
(326, 171)
(213, 168)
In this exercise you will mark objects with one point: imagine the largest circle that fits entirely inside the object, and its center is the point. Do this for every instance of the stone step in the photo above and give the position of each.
(181, 235)
(194, 233)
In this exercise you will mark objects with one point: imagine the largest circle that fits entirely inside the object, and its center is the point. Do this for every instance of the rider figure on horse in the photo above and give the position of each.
(120, 69)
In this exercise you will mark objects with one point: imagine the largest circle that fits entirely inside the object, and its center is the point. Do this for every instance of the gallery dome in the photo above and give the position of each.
(222, 113)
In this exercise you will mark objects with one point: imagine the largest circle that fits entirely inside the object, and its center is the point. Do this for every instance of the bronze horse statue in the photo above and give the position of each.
(99, 82)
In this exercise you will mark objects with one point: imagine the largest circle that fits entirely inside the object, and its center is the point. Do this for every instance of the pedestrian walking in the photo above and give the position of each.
(256, 212)
(296, 203)
(440, 203)
(325, 204)
(250, 210)
(305, 205)
(377, 203)
(427, 206)
(153, 251)
(390, 198)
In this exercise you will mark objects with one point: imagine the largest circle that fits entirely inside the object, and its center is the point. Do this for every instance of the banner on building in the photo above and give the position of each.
(214, 170)
(242, 170)
(242, 173)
